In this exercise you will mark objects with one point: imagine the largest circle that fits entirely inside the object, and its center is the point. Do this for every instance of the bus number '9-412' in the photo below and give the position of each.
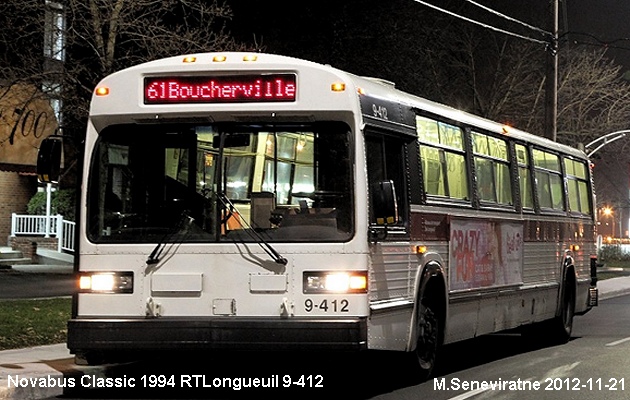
(326, 305)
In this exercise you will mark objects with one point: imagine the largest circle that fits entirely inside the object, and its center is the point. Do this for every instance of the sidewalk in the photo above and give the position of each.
(613, 287)
(53, 363)
(45, 365)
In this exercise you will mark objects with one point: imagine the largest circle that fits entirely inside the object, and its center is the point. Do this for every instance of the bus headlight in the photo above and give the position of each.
(335, 282)
(106, 282)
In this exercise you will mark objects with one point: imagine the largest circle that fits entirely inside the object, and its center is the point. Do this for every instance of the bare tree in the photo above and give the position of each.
(594, 99)
(493, 76)
(107, 35)
(114, 34)
(96, 37)
(503, 79)
(21, 45)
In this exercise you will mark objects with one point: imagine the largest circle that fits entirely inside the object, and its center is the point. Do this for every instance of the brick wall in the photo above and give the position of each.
(28, 245)
(15, 192)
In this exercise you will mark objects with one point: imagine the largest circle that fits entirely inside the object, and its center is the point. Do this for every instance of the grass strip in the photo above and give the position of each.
(33, 322)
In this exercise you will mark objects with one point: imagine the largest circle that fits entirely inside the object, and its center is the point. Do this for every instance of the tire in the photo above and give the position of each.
(561, 327)
(89, 358)
(557, 330)
(423, 358)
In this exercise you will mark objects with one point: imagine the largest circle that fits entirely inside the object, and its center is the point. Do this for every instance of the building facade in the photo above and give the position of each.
(28, 114)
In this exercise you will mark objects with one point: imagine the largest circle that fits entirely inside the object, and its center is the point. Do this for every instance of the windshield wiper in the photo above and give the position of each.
(273, 253)
(183, 223)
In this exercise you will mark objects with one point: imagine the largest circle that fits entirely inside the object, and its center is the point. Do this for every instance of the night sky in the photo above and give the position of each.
(588, 21)
(607, 20)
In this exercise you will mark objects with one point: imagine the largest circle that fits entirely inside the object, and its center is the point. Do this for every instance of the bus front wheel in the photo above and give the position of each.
(424, 356)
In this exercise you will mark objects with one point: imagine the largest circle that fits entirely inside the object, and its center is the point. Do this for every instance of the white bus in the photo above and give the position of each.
(255, 201)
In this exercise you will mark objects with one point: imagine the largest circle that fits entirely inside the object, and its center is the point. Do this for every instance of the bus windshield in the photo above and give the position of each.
(230, 182)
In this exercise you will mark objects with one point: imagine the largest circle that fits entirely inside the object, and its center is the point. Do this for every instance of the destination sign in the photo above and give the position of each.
(220, 89)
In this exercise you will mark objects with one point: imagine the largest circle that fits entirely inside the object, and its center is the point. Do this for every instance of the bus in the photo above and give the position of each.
(247, 201)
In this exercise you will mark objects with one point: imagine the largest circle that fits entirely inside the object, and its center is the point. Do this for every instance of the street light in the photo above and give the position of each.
(609, 213)
(607, 139)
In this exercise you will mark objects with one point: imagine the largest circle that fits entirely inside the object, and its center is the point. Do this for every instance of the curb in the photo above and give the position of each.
(39, 372)
(613, 294)
(44, 268)
(20, 367)
(613, 287)
(20, 386)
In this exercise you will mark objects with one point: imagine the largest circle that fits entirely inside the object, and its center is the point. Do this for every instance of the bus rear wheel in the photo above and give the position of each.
(557, 330)
(561, 327)
(424, 356)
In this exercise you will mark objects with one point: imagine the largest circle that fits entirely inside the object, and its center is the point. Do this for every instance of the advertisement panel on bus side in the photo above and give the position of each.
(485, 254)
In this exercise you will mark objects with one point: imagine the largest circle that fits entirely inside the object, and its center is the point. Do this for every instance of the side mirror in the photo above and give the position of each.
(49, 160)
(384, 203)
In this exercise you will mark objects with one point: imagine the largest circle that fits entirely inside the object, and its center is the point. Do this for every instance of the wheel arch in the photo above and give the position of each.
(431, 289)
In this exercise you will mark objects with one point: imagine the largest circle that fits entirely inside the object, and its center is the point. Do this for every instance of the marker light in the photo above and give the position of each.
(335, 282)
(338, 87)
(506, 129)
(421, 249)
(250, 57)
(360, 90)
(106, 282)
(189, 59)
(219, 58)
(102, 91)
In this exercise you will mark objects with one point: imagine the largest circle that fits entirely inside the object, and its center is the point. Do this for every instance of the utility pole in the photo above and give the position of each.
(551, 87)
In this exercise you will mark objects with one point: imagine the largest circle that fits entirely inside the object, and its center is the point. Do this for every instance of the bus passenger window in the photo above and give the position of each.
(442, 159)
(485, 181)
(432, 167)
(492, 169)
(577, 186)
(527, 200)
(457, 176)
(549, 180)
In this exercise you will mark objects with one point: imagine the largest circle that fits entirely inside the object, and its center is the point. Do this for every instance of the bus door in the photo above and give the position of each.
(391, 256)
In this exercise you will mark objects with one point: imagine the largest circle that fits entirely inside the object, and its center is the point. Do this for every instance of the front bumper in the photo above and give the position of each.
(104, 335)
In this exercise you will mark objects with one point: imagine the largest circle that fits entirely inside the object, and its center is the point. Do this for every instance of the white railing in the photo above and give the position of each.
(67, 238)
(41, 225)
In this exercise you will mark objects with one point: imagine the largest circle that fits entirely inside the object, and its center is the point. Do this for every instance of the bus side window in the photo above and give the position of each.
(442, 158)
(577, 186)
(492, 169)
(524, 177)
(385, 162)
(549, 180)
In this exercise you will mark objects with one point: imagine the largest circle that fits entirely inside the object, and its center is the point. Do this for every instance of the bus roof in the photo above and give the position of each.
(367, 87)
